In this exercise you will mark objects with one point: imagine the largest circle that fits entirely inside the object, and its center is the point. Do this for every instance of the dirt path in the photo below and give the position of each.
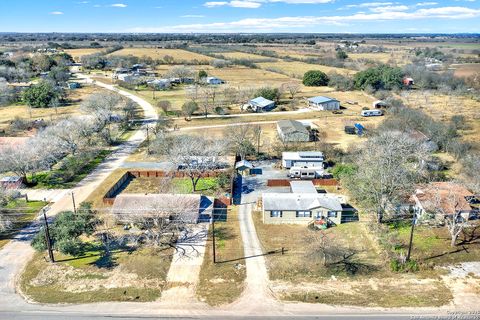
(184, 272)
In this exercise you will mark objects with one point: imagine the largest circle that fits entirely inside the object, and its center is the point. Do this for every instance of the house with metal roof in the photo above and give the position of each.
(261, 104)
(184, 208)
(292, 131)
(310, 159)
(323, 103)
(303, 205)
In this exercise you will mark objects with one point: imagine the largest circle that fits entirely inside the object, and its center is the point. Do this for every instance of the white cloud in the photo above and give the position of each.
(426, 4)
(192, 16)
(56, 13)
(369, 4)
(389, 9)
(258, 3)
(118, 5)
(288, 23)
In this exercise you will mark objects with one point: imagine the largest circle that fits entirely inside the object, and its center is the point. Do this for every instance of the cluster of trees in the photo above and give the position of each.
(444, 81)
(76, 140)
(379, 78)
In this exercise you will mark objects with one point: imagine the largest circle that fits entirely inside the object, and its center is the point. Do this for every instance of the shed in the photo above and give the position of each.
(379, 104)
(324, 103)
(292, 131)
(260, 104)
(243, 165)
(11, 182)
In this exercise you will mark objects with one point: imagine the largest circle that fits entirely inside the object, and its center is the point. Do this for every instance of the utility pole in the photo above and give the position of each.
(213, 242)
(148, 141)
(411, 237)
(47, 237)
(73, 202)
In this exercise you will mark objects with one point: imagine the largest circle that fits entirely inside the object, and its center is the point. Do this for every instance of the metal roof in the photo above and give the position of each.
(303, 155)
(300, 201)
(292, 126)
(261, 102)
(321, 99)
(303, 187)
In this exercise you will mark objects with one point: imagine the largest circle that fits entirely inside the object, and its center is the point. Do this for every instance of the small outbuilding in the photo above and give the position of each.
(243, 165)
(379, 104)
(11, 182)
(214, 80)
(292, 131)
(323, 103)
(261, 104)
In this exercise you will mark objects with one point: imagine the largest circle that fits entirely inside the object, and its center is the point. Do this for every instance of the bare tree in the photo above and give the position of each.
(71, 134)
(292, 88)
(240, 140)
(207, 99)
(164, 105)
(195, 155)
(320, 245)
(181, 72)
(389, 166)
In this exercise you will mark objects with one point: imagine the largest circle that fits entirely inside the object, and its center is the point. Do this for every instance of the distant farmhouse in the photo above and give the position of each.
(261, 104)
(323, 103)
(292, 131)
(213, 80)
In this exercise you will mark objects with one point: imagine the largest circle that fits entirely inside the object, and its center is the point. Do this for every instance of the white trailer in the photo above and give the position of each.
(372, 113)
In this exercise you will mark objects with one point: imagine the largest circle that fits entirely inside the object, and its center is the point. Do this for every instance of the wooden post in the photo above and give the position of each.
(411, 238)
(213, 239)
(73, 202)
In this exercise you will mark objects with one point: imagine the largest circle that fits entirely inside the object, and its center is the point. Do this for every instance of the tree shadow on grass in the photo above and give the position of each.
(350, 265)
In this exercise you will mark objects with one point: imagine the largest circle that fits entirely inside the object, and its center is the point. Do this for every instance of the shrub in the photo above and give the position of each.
(315, 78)
(268, 93)
(41, 95)
(409, 266)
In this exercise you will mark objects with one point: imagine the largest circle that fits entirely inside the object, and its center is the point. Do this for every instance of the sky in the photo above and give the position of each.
(218, 16)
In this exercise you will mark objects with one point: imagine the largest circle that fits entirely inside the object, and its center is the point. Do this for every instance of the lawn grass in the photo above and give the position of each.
(28, 212)
(205, 185)
(223, 282)
(137, 276)
(55, 178)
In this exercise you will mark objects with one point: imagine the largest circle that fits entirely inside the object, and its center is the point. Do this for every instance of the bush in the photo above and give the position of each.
(41, 95)
(381, 77)
(341, 82)
(342, 170)
(268, 93)
(315, 78)
(409, 266)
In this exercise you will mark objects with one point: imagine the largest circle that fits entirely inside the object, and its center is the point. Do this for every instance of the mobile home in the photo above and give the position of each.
(371, 113)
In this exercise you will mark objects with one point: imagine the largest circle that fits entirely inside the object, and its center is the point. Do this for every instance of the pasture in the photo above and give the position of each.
(77, 54)
(296, 69)
(179, 55)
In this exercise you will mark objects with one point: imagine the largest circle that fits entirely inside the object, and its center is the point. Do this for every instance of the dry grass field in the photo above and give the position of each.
(466, 70)
(78, 53)
(296, 69)
(242, 55)
(177, 54)
(9, 113)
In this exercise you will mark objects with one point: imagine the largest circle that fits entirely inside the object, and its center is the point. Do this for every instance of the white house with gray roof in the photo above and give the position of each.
(302, 206)
(310, 159)
(261, 104)
(323, 103)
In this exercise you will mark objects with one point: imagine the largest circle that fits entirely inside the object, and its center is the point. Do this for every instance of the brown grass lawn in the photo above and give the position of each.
(75, 97)
(78, 53)
(364, 279)
(296, 69)
(242, 55)
(136, 276)
(223, 282)
(178, 54)
(97, 195)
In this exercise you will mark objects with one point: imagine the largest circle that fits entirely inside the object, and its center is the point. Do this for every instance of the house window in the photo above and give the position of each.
(275, 214)
(332, 214)
(304, 214)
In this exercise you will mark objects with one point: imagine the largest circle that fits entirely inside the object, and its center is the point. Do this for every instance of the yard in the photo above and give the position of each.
(128, 276)
(223, 282)
(359, 276)
(23, 213)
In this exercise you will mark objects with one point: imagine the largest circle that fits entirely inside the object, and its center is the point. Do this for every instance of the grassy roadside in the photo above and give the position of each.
(27, 210)
(223, 282)
(137, 276)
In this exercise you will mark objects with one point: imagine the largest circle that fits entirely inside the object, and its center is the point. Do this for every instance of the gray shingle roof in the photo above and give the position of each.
(292, 126)
(300, 201)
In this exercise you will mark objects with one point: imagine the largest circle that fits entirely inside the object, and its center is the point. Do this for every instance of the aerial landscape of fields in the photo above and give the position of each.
(240, 159)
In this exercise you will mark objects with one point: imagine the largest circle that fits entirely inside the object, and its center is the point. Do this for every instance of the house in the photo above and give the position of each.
(185, 208)
(261, 104)
(128, 78)
(323, 103)
(159, 83)
(408, 81)
(213, 80)
(303, 205)
(438, 200)
(12, 182)
(310, 159)
(292, 131)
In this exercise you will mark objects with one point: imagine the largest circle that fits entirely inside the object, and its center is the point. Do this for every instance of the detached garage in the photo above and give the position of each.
(323, 103)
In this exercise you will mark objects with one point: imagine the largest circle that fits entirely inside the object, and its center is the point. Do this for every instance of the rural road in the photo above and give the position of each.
(257, 300)
(16, 254)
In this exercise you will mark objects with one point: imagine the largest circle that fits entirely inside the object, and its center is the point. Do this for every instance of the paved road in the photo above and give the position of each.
(15, 255)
